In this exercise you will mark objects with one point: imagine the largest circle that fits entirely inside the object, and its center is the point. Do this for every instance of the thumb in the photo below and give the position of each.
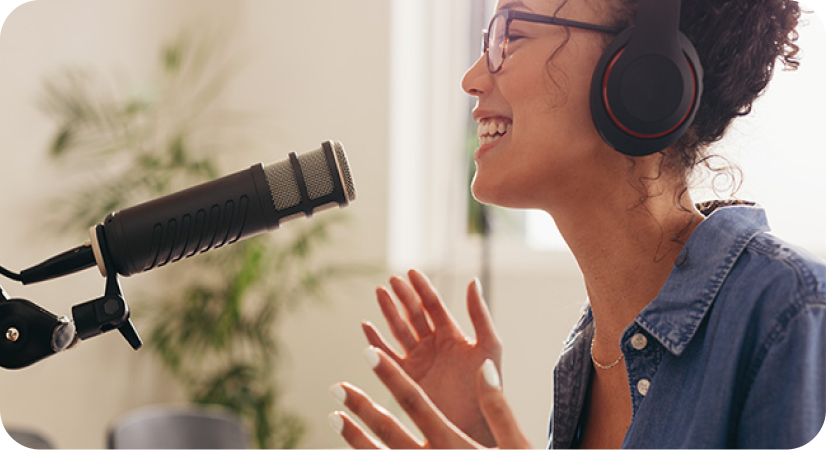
(495, 408)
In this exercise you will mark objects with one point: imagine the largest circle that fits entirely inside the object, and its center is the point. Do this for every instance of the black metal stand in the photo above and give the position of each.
(29, 333)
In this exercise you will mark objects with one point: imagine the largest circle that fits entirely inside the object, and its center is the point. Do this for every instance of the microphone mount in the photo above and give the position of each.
(29, 333)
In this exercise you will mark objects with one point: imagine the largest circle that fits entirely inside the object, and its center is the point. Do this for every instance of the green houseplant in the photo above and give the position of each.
(214, 330)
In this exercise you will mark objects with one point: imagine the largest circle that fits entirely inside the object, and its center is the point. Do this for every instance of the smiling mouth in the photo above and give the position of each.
(491, 130)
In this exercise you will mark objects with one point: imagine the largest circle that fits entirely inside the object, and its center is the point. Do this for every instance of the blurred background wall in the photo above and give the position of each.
(313, 70)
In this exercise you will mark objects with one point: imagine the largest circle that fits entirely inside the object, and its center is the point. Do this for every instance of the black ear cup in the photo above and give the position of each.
(647, 85)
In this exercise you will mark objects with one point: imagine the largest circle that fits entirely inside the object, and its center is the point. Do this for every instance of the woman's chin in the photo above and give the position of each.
(485, 192)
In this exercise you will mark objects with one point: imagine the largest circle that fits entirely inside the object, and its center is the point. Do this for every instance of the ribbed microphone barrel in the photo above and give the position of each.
(225, 210)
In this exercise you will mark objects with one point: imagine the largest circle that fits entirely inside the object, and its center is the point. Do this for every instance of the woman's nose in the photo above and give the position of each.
(477, 79)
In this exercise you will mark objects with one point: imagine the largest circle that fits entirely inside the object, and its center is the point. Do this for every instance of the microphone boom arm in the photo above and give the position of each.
(31, 334)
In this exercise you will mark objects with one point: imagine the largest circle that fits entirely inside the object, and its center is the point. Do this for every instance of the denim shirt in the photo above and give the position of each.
(731, 352)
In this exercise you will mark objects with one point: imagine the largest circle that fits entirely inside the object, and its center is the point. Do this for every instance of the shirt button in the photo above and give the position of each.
(639, 341)
(642, 386)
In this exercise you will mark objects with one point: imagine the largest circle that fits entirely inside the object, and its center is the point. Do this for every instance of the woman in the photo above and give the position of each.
(700, 330)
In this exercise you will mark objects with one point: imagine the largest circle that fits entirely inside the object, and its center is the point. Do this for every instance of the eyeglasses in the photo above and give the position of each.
(495, 38)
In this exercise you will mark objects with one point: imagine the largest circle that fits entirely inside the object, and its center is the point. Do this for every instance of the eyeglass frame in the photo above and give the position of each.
(511, 15)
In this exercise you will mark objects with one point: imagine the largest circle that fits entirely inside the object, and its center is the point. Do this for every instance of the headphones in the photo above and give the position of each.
(647, 85)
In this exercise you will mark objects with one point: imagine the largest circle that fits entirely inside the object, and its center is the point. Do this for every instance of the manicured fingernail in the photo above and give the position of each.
(372, 357)
(338, 392)
(336, 421)
(490, 373)
(478, 287)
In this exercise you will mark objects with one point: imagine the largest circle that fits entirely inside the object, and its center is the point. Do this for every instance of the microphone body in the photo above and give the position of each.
(209, 215)
(187, 222)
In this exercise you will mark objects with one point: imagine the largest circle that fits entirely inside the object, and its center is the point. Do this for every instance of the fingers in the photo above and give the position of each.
(355, 436)
(386, 427)
(421, 304)
(376, 340)
(412, 305)
(479, 313)
(495, 408)
(395, 321)
(439, 432)
(431, 301)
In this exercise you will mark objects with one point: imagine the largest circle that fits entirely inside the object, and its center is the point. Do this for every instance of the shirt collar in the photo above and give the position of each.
(703, 265)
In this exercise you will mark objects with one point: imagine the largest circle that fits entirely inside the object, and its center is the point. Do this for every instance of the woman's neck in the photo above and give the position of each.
(626, 250)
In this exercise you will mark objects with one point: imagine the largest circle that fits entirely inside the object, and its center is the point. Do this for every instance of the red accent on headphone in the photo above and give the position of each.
(620, 124)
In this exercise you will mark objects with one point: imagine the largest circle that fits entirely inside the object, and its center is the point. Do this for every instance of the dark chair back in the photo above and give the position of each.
(29, 438)
(177, 428)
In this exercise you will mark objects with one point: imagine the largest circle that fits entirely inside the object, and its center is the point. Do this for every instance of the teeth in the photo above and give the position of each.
(491, 130)
(488, 139)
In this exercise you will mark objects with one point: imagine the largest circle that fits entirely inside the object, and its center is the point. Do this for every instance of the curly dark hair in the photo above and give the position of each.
(738, 43)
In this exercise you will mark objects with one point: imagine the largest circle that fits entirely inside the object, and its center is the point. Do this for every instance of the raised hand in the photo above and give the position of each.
(438, 432)
(436, 355)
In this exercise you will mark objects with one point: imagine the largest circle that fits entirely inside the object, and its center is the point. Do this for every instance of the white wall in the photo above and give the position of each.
(71, 397)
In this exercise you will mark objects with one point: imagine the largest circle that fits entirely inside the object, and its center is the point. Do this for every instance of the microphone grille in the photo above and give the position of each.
(318, 178)
(285, 194)
(317, 174)
(341, 157)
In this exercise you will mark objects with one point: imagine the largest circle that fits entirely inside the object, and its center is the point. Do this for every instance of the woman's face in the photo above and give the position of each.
(549, 151)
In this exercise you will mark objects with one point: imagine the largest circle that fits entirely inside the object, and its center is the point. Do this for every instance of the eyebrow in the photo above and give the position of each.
(513, 3)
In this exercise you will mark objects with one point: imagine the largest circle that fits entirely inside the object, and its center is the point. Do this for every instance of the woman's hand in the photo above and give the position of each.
(436, 354)
(438, 432)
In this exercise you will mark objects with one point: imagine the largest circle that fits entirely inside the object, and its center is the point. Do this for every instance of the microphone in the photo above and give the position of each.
(209, 215)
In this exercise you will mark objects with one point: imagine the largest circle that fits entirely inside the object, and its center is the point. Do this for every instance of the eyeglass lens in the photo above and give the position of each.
(496, 42)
